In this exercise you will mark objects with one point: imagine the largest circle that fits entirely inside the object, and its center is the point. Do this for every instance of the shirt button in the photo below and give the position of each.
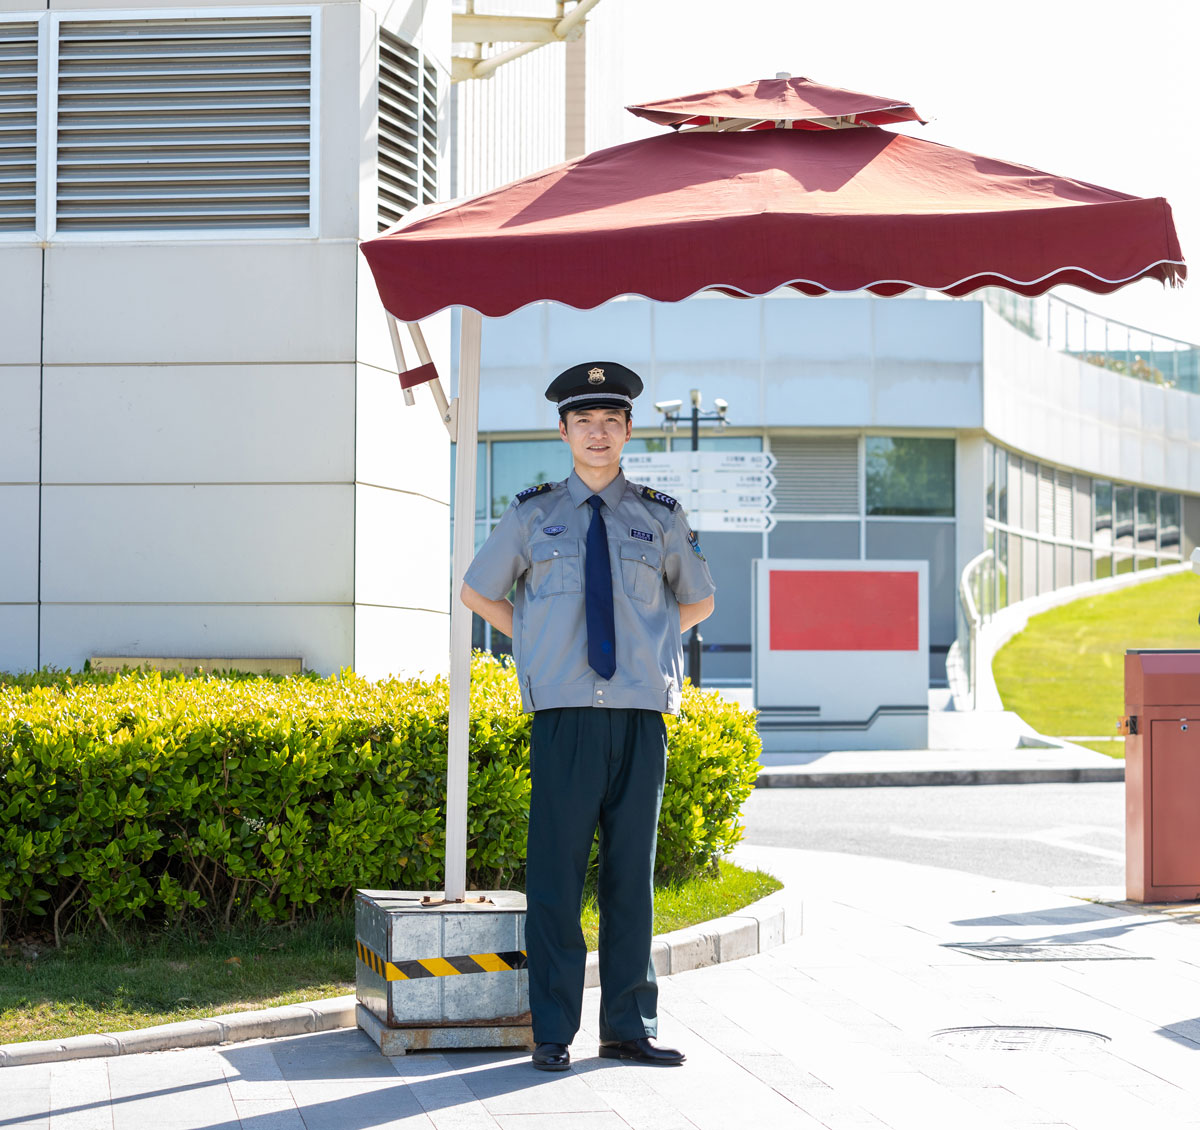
(556, 553)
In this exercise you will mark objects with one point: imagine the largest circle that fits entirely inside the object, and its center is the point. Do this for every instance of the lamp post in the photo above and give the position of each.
(671, 410)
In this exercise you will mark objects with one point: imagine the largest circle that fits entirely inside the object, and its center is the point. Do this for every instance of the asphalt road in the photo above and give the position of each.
(1054, 835)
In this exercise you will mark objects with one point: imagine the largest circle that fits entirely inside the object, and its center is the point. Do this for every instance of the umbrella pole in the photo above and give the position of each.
(466, 440)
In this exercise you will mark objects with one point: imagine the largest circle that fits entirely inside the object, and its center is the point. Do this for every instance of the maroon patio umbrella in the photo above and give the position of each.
(742, 211)
(747, 212)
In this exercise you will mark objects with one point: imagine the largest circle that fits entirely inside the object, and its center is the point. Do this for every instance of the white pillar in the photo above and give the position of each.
(467, 436)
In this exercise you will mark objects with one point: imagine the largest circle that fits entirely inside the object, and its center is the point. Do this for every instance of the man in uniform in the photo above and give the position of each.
(608, 576)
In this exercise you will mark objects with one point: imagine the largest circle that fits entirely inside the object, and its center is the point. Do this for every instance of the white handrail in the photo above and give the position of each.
(971, 613)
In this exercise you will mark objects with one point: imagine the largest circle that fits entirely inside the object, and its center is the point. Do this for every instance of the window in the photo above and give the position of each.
(989, 463)
(521, 463)
(1147, 520)
(1102, 498)
(18, 126)
(1002, 485)
(1168, 522)
(910, 476)
(408, 102)
(1123, 518)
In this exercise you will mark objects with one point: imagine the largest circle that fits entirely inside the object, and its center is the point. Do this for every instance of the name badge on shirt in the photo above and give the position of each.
(553, 530)
(641, 535)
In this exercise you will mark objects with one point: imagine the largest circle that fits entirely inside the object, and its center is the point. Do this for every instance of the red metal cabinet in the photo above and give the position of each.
(1162, 776)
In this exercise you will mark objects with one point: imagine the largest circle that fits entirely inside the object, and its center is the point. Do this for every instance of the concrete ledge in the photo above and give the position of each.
(753, 929)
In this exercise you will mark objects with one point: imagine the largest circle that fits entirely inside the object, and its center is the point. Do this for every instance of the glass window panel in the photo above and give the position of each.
(1104, 566)
(1045, 553)
(1168, 522)
(1001, 569)
(1029, 496)
(1013, 585)
(910, 476)
(1123, 518)
(1103, 500)
(1029, 568)
(1001, 485)
(521, 463)
(1062, 566)
(1083, 566)
(1014, 492)
(480, 479)
(1122, 563)
(682, 442)
(1147, 520)
(989, 461)
(640, 445)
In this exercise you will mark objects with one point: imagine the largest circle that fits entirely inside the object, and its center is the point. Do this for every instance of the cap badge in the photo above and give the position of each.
(596, 376)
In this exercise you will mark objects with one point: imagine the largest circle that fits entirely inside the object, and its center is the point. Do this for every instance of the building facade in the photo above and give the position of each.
(903, 429)
(203, 448)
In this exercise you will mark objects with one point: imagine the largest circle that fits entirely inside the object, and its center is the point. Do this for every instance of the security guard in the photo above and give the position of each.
(608, 576)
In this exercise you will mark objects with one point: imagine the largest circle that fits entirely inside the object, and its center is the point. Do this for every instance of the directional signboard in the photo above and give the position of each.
(711, 521)
(719, 490)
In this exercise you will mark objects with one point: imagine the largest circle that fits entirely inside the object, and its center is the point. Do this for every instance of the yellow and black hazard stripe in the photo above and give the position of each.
(441, 966)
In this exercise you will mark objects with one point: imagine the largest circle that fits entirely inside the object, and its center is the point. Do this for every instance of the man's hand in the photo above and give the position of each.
(498, 613)
(690, 614)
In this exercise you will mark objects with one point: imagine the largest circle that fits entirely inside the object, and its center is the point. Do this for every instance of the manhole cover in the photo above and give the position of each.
(1018, 1039)
(1062, 951)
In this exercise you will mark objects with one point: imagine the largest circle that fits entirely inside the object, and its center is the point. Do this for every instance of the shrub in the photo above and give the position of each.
(143, 795)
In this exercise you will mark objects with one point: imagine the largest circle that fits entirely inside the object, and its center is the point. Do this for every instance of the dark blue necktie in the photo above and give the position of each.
(598, 597)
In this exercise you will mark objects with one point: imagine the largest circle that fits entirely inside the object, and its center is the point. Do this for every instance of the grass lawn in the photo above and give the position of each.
(103, 985)
(1065, 673)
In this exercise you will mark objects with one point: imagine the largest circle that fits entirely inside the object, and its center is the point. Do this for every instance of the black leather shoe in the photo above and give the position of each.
(551, 1057)
(641, 1051)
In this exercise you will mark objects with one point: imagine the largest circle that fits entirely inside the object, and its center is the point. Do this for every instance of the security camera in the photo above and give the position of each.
(666, 407)
(722, 406)
(1196, 560)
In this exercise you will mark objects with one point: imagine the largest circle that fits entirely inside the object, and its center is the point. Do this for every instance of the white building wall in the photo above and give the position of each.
(1059, 409)
(181, 468)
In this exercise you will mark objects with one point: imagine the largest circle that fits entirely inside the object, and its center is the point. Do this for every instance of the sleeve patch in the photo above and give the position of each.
(694, 542)
(658, 496)
(530, 492)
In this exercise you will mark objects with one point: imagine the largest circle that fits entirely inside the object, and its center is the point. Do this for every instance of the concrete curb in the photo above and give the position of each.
(784, 778)
(753, 929)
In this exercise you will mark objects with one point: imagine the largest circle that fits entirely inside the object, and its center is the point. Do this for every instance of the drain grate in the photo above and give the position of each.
(1059, 951)
(1018, 1039)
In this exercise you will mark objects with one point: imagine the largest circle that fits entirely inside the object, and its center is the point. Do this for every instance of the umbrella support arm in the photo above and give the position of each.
(447, 410)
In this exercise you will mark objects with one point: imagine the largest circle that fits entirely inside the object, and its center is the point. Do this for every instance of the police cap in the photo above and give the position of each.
(594, 384)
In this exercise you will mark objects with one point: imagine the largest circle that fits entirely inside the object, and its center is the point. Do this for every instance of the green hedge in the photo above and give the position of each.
(218, 798)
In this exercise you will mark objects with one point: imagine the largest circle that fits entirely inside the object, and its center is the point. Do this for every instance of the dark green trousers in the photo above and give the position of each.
(592, 768)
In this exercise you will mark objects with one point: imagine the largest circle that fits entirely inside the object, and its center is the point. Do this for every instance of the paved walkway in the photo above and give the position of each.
(832, 1029)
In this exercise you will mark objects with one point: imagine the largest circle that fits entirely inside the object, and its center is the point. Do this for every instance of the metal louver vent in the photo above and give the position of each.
(1064, 509)
(407, 129)
(816, 475)
(18, 126)
(184, 124)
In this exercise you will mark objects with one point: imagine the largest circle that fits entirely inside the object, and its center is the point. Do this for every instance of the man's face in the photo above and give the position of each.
(596, 436)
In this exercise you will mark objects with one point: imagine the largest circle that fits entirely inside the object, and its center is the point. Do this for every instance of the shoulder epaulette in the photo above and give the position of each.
(530, 492)
(658, 496)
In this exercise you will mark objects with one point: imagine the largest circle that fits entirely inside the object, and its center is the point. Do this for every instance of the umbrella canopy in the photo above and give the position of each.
(748, 212)
(794, 103)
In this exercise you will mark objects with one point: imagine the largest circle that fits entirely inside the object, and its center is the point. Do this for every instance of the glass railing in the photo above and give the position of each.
(1101, 341)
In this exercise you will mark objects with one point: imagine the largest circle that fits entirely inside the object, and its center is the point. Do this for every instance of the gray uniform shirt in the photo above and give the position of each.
(540, 545)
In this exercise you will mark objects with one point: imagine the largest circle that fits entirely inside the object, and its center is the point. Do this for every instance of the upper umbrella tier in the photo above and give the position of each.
(744, 213)
(786, 103)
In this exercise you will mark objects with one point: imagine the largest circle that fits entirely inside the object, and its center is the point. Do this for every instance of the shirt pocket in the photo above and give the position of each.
(641, 570)
(555, 568)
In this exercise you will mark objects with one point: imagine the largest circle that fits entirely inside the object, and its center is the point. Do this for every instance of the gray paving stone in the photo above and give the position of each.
(269, 1114)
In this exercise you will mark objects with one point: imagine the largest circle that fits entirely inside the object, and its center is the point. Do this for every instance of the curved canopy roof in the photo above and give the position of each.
(745, 213)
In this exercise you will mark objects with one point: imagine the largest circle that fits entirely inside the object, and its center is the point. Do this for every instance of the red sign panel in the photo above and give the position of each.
(827, 610)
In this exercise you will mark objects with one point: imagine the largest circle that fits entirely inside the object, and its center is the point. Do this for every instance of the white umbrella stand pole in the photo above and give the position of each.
(470, 342)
